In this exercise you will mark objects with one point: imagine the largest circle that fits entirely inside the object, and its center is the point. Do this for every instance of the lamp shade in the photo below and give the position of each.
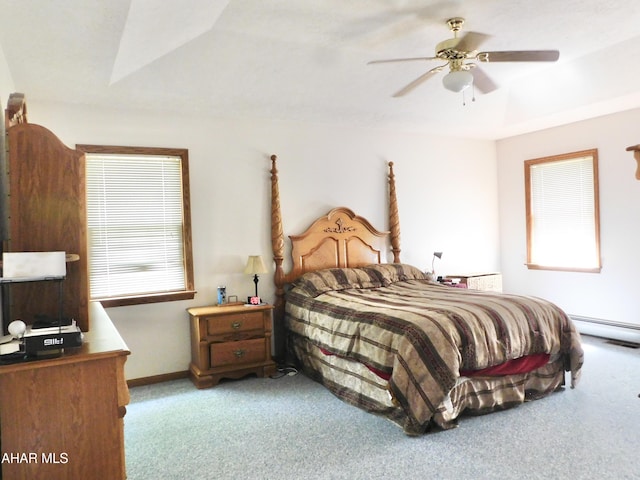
(433, 260)
(255, 265)
(457, 80)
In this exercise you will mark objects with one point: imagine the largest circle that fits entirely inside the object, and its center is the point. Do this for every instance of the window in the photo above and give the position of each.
(563, 220)
(138, 223)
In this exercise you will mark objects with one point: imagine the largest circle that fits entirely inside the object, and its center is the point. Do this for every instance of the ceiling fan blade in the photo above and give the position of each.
(481, 81)
(418, 81)
(470, 41)
(401, 60)
(519, 56)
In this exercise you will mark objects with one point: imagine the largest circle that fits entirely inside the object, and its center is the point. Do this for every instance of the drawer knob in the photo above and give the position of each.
(239, 353)
(236, 325)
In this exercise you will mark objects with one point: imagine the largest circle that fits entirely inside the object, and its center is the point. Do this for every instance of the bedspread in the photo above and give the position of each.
(422, 334)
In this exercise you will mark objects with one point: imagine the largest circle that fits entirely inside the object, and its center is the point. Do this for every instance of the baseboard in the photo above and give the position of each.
(165, 377)
(607, 329)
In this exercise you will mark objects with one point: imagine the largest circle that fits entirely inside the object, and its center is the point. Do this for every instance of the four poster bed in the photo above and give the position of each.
(386, 338)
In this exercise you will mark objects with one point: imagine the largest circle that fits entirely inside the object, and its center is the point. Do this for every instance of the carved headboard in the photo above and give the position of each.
(338, 239)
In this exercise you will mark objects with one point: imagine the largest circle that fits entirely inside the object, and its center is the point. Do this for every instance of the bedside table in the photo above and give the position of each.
(481, 281)
(229, 341)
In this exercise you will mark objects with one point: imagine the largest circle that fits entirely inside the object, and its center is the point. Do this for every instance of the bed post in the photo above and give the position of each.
(394, 218)
(277, 244)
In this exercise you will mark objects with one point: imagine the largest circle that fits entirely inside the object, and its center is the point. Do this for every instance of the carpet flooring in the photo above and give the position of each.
(293, 428)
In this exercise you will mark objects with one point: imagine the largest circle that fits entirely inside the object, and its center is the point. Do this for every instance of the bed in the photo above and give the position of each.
(388, 339)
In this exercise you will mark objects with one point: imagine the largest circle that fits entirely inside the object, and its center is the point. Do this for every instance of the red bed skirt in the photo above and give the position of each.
(524, 364)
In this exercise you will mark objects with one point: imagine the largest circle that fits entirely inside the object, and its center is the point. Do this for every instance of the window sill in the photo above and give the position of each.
(534, 266)
(143, 299)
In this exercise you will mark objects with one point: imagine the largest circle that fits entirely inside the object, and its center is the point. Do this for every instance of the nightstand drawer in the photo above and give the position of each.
(232, 323)
(231, 353)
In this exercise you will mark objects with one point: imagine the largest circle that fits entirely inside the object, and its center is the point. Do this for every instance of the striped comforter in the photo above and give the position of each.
(421, 334)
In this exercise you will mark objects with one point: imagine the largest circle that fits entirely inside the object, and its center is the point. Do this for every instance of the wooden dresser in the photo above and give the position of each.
(230, 341)
(62, 418)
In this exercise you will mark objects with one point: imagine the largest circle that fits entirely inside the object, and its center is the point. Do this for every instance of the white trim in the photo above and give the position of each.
(607, 329)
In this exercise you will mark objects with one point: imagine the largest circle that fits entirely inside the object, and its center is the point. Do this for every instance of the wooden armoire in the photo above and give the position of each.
(61, 416)
(44, 209)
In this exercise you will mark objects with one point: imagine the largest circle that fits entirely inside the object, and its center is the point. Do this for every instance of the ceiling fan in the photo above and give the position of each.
(457, 51)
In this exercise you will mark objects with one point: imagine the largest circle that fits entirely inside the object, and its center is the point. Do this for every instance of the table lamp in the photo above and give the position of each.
(435, 254)
(255, 266)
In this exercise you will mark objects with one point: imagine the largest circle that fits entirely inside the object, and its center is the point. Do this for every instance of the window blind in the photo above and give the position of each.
(135, 224)
(563, 214)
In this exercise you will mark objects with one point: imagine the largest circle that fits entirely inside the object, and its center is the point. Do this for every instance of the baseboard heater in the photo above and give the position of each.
(598, 327)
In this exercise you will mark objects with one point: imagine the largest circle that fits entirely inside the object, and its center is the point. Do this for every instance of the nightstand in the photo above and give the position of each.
(481, 281)
(230, 341)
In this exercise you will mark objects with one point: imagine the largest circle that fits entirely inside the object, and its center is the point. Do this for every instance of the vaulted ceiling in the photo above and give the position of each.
(306, 60)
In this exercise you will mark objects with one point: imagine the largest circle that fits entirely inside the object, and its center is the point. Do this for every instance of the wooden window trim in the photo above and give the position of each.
(593, 153)
(189, 292)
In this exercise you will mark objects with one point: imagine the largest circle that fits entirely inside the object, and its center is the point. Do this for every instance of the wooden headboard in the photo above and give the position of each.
(338, 239)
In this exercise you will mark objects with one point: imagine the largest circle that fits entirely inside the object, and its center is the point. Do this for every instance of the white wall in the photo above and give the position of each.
(446, 194)
(6, 80)
(610, 295)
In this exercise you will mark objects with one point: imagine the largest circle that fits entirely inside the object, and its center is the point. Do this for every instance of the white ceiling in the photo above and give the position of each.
(306, 60)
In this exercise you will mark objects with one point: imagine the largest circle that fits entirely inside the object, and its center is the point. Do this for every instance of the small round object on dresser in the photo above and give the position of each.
(17, 328)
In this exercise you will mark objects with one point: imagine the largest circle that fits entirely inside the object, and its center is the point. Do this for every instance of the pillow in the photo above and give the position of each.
(332, 279)
(398, 272)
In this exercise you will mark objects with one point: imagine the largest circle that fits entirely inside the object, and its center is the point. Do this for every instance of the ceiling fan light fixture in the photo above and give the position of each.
(457, 80)
(459, 54)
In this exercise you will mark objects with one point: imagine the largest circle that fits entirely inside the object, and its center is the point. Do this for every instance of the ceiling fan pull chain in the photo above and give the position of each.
(473, 95)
